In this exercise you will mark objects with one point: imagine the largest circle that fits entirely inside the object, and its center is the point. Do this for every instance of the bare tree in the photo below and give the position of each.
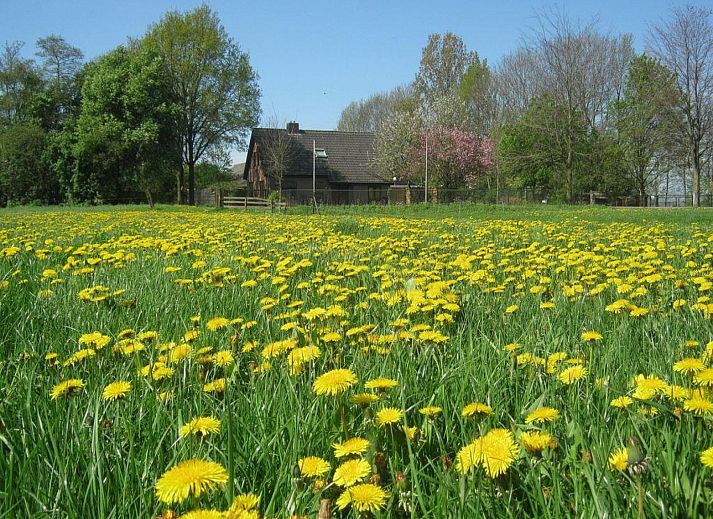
(278, 151)
(366, 115)
(685, 45)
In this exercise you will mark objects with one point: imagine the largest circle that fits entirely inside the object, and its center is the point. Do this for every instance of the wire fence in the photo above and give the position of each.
(382, 195)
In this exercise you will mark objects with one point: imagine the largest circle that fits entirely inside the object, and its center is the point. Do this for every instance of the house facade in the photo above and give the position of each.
(344, 170)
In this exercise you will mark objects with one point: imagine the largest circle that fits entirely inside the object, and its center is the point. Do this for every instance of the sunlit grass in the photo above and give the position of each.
(477, 276)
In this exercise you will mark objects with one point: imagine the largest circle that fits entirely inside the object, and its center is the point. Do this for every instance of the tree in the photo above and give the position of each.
(61, 60)
(278, 151)
(126, 133)
(213, 81)
(444, 62)
(685, 45)
(645, 118)
(477, 90)
(19, 83)
(25, 175)
(367, 115)
(396, 140)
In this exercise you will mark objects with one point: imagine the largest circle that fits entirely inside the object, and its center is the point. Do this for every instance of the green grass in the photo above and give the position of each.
(85, 457)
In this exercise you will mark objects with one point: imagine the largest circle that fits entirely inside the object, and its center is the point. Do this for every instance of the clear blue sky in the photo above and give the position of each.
(315, 56)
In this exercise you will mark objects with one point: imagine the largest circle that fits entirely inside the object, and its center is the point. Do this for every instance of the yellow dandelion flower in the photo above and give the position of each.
(363, 498)
(495, 452)
(201, 426)
(351, 472)
(190, 479)
(689, 366)
(334, 382)
(704, 377)
(698, 405)
(476, 409)
(707, 457)
(223, 358)
(572, 375)
(388, 416)
(591, 336)
(542, 414)
(352, 446)
(217, 386)
(116, 390)
(430, 410)
(381, 383)
(313, 466)
(365, 398)
(537, 441)
(67, 388)
(619, 460)
(217, 323)
(622, 402)
(203, 514)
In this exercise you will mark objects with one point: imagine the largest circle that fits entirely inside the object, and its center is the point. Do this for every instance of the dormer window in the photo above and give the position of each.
(320, 153)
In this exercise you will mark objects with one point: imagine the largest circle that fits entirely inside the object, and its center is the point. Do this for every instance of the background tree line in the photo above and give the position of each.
(145, 119)
(571, 111)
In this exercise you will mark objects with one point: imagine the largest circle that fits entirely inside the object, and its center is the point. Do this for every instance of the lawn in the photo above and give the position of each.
(482, 362)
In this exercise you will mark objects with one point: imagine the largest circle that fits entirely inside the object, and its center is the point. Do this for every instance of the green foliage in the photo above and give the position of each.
(25, 174)
(126, 136)
(211, 79)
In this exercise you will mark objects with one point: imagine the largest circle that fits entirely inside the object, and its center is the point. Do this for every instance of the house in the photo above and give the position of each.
(344, 169)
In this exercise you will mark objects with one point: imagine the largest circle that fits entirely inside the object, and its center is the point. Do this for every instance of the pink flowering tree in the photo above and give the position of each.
(456, 158)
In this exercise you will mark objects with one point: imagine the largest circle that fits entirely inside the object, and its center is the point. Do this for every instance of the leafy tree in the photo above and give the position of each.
(645, 120)
(126, 133)
(19, 83)
(62, 64)
(444, 62)
(368, 114)
(25, 175)
(213, 82)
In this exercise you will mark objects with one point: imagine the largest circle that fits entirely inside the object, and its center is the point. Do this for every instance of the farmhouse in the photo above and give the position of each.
(344, 170)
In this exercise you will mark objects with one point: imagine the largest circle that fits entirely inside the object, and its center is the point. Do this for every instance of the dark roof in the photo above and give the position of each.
(349, 154)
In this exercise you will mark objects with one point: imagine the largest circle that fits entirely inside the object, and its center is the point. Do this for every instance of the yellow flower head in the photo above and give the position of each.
(537, 441)
(707, 457)
(190, 479)
(352, 446)
(476, 409)
(351, 472)
(313, 466)
(381, 383)
(201, 426)
(542, 414)
(334, 382)
(116, 390)
(619, 460)
(388, 416)
(67, 388)
(363, 498)
(572, 375)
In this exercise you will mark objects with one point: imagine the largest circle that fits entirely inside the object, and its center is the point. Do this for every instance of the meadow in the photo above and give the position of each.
(392, 362)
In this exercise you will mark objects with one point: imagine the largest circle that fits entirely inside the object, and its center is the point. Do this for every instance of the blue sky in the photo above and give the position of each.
(314, 56)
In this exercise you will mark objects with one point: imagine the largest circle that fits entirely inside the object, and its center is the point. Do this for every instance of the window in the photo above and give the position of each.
(320, 153)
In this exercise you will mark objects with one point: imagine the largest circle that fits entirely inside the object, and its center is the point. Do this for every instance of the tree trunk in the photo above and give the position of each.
(191, 183)
(149, 198)
(179, 186)
(696, 182)
(570, 174)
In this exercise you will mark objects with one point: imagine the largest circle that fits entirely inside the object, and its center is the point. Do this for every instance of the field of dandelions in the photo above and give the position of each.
(486, 363)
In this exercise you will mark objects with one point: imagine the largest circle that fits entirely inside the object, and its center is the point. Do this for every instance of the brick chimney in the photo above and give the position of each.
(293, 127)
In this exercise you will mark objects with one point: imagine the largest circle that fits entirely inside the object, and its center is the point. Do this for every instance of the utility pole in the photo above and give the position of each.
(314, 176)
(425, 183)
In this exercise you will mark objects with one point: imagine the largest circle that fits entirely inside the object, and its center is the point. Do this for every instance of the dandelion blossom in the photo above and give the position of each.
(707, 457)
(698, 405)
(334, 382)
(201, 426)
(381, 383)
(572, 375)
(313, 466)
(689, 366)
(116, 390)
(190, 479)
(495, 452)
(591, 336)
(619, 460)
(364, 498)
(67, 388)
(353, 446)
(388, 416)
(542, 414)
(351, 472)
(622, 402)
(537, 441)
(476, 409)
